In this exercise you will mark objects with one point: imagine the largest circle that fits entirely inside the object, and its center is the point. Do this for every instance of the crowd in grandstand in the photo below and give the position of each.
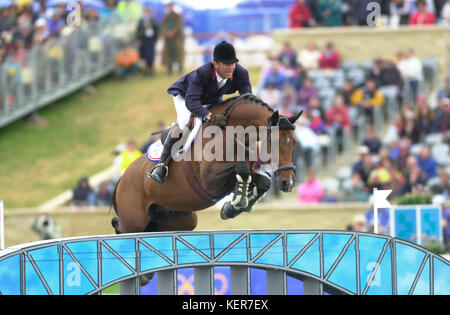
(402, 161)
(306, 13)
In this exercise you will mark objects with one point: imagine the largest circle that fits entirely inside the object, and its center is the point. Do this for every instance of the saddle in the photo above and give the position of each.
(187, 167)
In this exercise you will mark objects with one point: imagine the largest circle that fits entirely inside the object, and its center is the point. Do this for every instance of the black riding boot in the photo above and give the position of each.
(159, 172)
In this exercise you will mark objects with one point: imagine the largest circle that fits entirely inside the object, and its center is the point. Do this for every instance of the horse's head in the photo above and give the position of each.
(286, 143)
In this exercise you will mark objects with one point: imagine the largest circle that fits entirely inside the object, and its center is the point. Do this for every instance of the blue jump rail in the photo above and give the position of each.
(335, 262)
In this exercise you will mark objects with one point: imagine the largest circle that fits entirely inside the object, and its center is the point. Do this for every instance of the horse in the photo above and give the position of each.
(142, 205)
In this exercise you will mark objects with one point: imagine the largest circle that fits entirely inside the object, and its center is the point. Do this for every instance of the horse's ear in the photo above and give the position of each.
(273, 120)
(294, 118)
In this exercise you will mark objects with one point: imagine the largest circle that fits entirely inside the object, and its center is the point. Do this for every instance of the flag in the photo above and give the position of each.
(379, 199)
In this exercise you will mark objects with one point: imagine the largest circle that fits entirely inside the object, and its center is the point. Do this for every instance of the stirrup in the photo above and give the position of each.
(156, 177)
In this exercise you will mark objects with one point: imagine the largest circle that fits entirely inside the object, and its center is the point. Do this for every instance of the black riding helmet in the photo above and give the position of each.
(224, 52)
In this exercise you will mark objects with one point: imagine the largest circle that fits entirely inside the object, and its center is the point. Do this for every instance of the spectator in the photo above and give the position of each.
(24, 30)
(172, 30)
(289, 99)
(357, 192)
(299, 14)
(400, 11)
(288, 57)
(410, 68)
(330, 58)
(129, 155)
(41, 33)
(311, 190)
(367, 166)
(372, 141)
(309, 57)
(83, 194)
(271, 94)
(347, 92)
(445, 13)
(127, 62)
(147, 35)
(330, 12)
(399, 154)
(376, 72)
(109, 12)
(359, 222)
(103, 196)
(358, 166)
(410, 130)
(294, 76)
(56, 23)
(308, 140)
(338, 118)
(274, 77)
(390, 76)
(7, 19)
(315, 106)
(317, 123)
(367, 98)
(442, 115)
(422, 16)
(129, 11)
(424, 118)
(415, 181)
(396, 177)
(443, 187)
(307, 92)
(444, 92)
(426, 162)
(380, 176)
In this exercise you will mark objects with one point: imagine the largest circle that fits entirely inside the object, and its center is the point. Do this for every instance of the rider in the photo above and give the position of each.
(192, 92)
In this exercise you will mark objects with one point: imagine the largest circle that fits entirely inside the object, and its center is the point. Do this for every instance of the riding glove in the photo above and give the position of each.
(218, 120)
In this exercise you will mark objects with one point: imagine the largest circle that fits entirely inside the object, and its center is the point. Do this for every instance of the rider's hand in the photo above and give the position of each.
(218, 120)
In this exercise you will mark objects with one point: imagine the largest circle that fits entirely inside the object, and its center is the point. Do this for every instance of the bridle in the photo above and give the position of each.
(283, 123)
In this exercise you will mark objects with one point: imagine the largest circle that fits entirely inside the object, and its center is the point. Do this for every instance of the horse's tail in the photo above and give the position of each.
(113, 198)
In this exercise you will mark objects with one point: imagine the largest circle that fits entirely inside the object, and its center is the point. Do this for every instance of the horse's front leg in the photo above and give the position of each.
(240, 199)
(262, 185)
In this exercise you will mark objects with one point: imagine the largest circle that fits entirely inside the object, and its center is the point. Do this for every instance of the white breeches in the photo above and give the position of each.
(183, 114)
(183, 117)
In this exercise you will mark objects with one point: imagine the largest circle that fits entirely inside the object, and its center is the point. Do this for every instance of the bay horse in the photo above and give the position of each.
(142, 205)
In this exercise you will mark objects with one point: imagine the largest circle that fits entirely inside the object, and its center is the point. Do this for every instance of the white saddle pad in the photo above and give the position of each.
(154, 151)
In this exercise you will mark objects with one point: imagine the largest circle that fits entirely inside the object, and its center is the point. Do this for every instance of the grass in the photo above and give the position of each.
(77, 136)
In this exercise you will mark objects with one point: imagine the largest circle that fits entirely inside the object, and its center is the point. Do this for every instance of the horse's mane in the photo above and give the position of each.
(245, 97)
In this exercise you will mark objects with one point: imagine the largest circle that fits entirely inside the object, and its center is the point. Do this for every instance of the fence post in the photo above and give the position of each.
(130, 287)
(239, 280)
(167, 282)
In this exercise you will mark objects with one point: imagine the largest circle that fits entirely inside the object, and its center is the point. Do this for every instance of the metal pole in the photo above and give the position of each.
(375, 214)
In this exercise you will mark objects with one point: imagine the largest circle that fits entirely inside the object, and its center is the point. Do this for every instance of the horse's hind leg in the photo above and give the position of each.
(162, 219)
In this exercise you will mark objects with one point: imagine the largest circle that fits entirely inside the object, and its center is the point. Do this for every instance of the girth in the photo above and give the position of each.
(195, 185)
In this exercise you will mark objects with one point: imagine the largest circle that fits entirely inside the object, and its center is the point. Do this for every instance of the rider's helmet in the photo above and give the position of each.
(224, 52)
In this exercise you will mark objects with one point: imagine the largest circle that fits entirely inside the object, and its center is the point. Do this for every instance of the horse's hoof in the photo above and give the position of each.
(228, 211)
(115, 224)
(247, 209)
(145, 279)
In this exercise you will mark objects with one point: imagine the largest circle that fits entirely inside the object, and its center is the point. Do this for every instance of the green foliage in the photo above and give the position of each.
(414, 199)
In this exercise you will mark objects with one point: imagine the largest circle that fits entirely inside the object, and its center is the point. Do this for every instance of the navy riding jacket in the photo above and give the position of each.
(200, 87)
